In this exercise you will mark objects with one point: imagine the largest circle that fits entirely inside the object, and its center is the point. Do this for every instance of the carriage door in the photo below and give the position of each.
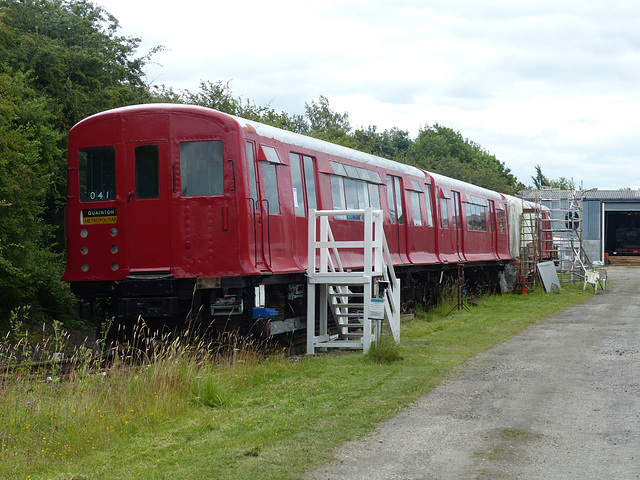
(277, 237)
(304, 198)
(398, 237)
(493, 231)
(254, 205)
(457, 224)
(147, 205)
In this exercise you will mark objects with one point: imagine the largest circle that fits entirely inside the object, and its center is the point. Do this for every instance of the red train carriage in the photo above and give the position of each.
(473, 222)
(174, 207)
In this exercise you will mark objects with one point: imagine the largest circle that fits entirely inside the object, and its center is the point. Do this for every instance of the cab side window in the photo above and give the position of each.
(201, 168)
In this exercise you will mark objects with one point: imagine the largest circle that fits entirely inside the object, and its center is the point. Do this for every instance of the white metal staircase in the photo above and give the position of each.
(362, 302)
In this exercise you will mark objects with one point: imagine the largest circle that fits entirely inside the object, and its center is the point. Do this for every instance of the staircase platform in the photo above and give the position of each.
(339, 278)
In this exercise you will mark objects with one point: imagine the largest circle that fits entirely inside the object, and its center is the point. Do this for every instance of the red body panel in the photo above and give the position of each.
(488, 241)
(241, 231)
(186, 236)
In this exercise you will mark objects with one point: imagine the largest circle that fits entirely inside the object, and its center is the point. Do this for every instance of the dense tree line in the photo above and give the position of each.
(63, 60)
(60, 61)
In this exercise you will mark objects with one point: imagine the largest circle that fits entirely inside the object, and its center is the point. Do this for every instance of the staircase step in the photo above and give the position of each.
(354, 324)
(354, 335)
(349, 305)
(348, 315)
(341, 344)
(350, 294)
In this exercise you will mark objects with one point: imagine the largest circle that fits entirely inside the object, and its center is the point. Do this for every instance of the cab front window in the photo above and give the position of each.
(97, 170)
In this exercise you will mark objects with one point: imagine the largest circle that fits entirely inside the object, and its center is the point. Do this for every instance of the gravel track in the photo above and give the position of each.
(559, 401)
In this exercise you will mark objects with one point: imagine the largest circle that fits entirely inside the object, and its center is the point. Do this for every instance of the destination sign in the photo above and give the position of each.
(99, 215)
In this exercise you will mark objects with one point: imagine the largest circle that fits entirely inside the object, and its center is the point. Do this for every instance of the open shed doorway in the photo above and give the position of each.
(622, 237)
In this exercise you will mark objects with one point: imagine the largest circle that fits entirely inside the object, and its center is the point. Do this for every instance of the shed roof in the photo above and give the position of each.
(592, 194)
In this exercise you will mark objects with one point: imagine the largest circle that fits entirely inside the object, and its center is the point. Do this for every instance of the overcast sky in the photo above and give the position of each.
(554, 83)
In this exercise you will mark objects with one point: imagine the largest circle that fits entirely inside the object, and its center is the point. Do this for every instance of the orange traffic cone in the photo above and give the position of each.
(523, 287)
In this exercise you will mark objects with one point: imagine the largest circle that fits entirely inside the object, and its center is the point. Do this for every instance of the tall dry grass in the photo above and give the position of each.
(47, 414)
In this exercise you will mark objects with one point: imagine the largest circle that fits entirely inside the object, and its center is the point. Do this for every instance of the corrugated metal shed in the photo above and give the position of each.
(604, 214)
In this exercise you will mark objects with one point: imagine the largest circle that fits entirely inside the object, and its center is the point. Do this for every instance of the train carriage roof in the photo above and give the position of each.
(279, 134)
(329, 148)
(467, 187)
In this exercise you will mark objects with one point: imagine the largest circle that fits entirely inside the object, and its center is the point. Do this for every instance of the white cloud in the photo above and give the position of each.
(553, 83)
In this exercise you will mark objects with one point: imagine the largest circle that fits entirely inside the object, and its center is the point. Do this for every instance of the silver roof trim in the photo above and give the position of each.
(329, 148)
(467, 187)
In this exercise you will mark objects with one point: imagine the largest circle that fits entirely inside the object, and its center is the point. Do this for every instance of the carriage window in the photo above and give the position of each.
(201, 168)
(351, 190)
(353, 194)
(363, 195)
(501, 220)
(338, 169)
(471, 218)
(394, 197)
(271, 187)
(391, 200)
(146, 160)
(252, 173)
(296, 183)
(492, 216)
(429, 209)
(374, 176)
(457, 223)
(303, 183)
(270, 154)
(398, 191)
(374, 196)
(476, 214)
(415, 203)
(337, 194)
(364, 174)
(97, 169)
(352, 172)
(310, 182)
(444, 212)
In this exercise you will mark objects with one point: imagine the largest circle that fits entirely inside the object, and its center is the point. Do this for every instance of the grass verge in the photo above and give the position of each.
(185, 415)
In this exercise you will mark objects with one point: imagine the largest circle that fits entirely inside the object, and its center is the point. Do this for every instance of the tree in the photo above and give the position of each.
(29, 270)
(60, 61)
(541, 181)
(326, 124)
(75, 55)
(76, 62)
(443, 150)
(214, 95)
(219, 96)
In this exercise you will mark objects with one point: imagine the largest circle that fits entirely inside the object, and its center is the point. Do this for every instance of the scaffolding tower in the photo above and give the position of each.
(530, 244)
(552, 230)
